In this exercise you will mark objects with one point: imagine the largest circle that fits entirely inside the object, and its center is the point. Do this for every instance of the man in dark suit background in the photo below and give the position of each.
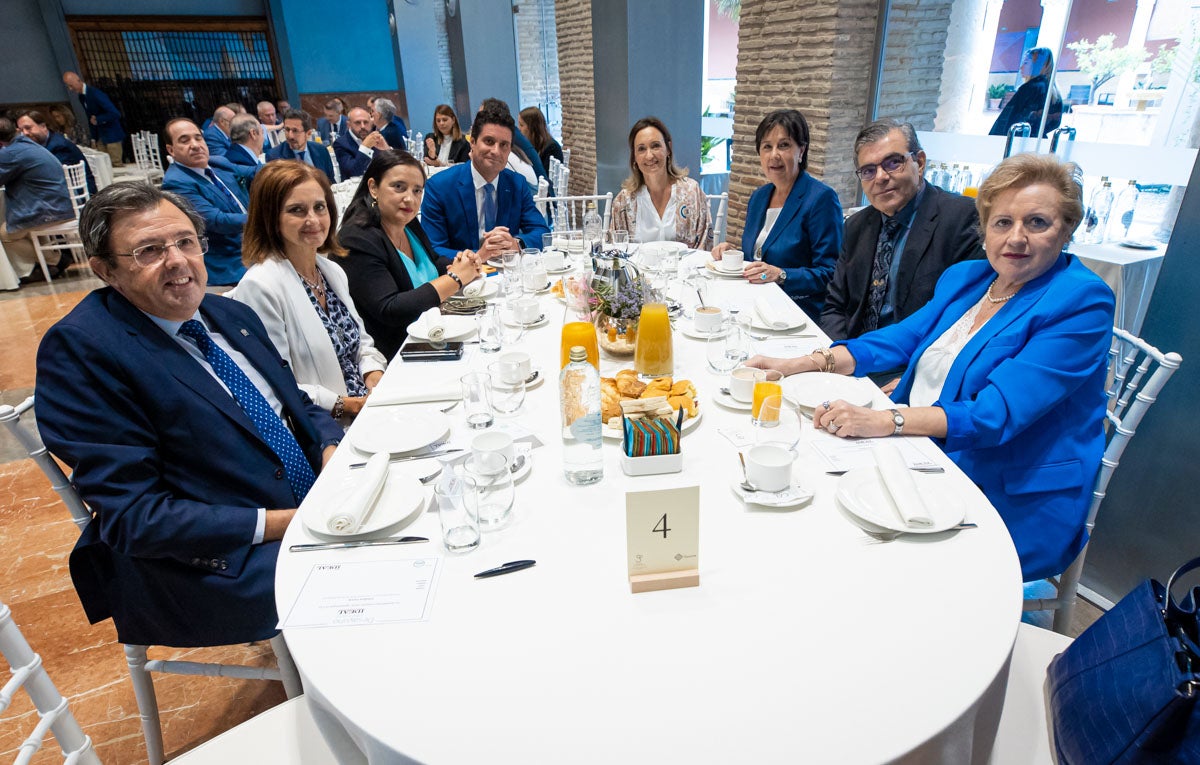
(481, 205)
(216, 133)
(333, 121)
(895, 250)
(104, 121)
(36, 127)
(186, 432)
(356, 147)
(296, 125)
(245, 141)
(383, 112)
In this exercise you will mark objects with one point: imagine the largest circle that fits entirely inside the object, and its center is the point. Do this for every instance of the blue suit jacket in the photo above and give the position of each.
(223, 219)
(316, 152)
(240, 155)
(394, 136)
(352, 162)
(1024, 400)
(108, 120)
(69, 154)
(451, 219)
(805, 240)
(173, 469)
(217, 141)
(324, 127)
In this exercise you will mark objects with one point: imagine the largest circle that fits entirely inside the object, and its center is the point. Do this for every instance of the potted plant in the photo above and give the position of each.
(995, 94)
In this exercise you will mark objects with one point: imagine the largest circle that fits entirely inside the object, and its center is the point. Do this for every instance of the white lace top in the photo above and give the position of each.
(768, 224)
(934, 365)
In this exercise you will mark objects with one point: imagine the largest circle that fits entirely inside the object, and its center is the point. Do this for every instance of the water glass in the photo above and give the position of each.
(458, 511)
(510, 263)
(727, 351)
(618, 239)
(533, 271)
(475, 399)
(490, 472)
(778, 423)
(507, 387)
(490, 328)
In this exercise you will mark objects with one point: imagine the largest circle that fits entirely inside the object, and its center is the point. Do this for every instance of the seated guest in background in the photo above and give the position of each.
(481, 205)
(236, 108)
(301, 296)
(1029, 102)
(658, 202)
(384, 115)
(532, 124)
(355, 147)
(520, 144)
(793, 226)
(215, 188)
(445, 144)
(283, 107)
(896, 249)
(399, 123)
(271, 126)
(245, 141)
(184, 429)
(296, 145)
(334, 121)
(395, 273)
(36, 192)
(35, 126)
(1006, 364)
(216, 134)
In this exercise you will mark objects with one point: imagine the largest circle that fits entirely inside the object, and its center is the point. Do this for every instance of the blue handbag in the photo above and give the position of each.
(1126, 690)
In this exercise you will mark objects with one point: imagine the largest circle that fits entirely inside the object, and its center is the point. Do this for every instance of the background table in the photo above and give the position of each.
(1131, 274)
(805, 641)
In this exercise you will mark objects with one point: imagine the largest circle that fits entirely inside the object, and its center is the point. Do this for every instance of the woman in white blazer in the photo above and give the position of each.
(301, 296)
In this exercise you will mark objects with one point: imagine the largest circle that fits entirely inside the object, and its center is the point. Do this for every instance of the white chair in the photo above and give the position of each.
(542, 192)
(101, 165)
(719, 207)
(76, 176)
(56, 717)
(566, 213)
(337, 170)
(283, 735)
(147, 156)
(1130, 361)
(140, 666)
(1023, 737)
(64, 236)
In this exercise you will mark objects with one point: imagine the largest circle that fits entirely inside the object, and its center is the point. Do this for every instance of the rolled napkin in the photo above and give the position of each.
(435, 325)
(474, 289)
(446, 390)
(353, 514)
(771, 316)
(899, 484)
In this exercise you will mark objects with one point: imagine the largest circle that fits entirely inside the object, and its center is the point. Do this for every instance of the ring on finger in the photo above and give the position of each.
(833, 427)
(825, 404)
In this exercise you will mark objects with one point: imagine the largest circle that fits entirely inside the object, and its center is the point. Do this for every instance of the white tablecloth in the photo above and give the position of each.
(804, 642)
(1132, 275)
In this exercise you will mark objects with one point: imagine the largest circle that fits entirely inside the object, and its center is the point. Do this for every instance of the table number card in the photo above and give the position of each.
(662, 531)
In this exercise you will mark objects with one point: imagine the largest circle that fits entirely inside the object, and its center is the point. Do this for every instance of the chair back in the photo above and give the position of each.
(566, 213)
(77, 186)
(56, 717)
(543, 192)
(720, 209)
(101, 165)
(31, 442)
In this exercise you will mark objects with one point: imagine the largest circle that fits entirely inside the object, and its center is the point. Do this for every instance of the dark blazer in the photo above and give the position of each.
(449, 214)
(318, 153)
(519, 141)
(218, 142)
(173, 468)
(238, 154)
(460, 149)
(1027, 105)
(223, 219)
(1024, 399)
(324, 128)
(553, 149)
(805, 240)
(395, 137)
(353, 163)
(380, 286)
(108, 120)
(945, 230)
(69, 154)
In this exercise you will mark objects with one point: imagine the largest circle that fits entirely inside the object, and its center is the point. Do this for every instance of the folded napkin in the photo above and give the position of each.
(474, 289)
(446, 390)
(899, 484)
(772, 316)
(434, 324)
(352, 514)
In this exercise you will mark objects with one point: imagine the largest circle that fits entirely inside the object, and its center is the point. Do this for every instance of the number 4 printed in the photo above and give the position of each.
(661, 526)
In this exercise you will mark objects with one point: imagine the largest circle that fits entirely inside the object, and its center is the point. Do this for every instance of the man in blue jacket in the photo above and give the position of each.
(245, 141)
(216, 134)
(36, 195)
(34, 126)
(333, 121)
(217, 189)
(356, 147)
(296, 125)
(103, 118)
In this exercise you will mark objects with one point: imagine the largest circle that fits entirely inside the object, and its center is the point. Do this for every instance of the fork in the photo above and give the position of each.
(880, 537)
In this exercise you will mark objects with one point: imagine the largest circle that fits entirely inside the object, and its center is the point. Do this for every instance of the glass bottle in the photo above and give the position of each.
(582, 421)
(593, 230)
(1096, 219)
(1121, 217)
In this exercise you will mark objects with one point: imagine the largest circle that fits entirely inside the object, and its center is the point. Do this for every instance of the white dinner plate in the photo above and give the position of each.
(457, 328)
(1135, 244)
(688, 329)
(863, 494)
(792, 496)
(729, 402)
(719, 271)
(402, 499)
(688, 426)
(811, 389)
(399, 429)
(490, 287)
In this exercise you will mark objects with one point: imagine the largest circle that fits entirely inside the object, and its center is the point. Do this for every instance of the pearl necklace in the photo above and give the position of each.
(994, 300)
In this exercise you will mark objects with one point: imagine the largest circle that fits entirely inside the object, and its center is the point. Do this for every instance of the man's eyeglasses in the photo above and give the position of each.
(890, 164)
(150, 254)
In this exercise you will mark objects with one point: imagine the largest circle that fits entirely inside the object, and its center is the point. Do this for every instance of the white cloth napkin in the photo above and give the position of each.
(446, 390)
(435, 325)
(474, 289)
(899, 484)
(771, 316)
(351, 515)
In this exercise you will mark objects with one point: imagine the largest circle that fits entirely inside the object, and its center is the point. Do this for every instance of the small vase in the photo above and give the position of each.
(618, 337)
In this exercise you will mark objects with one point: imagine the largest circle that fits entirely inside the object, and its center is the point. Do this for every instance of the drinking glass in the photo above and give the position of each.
(727, 350)
(771, 384)
(491, 474)
(510, 264)
(491, 328)
(618, 239)
(506, 388)
(458, 511)
(475, 399)
(653, 354)
(533, 271)
(779, 423)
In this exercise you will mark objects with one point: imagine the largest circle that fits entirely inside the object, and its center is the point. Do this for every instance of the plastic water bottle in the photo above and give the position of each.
(582, 421)
(1096, 218)
(418, 145)
(1121, 217)
(593, 230)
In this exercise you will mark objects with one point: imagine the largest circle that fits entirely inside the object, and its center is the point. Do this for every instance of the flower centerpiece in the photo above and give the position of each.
(616, 301)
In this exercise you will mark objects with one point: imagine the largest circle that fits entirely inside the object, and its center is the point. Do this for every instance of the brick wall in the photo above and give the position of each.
(537, 52)
(573, 19)
(810, 55)
(916, 47)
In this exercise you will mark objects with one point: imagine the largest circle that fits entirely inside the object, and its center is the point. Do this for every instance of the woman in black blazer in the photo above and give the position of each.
(395, 274)
(532, 124)
(445, 144)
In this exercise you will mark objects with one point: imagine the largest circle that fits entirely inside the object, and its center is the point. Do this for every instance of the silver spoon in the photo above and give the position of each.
(745, 484)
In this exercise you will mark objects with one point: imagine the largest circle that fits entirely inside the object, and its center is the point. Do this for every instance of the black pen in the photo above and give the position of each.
(507, 568)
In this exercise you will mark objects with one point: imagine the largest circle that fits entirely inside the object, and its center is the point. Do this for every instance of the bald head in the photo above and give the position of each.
(360, 121)
(266, 112)
(72, 81)
(222, 117)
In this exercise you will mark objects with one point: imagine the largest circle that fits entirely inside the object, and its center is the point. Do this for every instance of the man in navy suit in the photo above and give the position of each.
(333, 121)
(383, 112)
(296, 125)
(216, 134)
(35, 127)
(245, 142)
(218, 192)
(191, 487)
(356, 147)
(519, 140)
(103, 118)
(481, 205)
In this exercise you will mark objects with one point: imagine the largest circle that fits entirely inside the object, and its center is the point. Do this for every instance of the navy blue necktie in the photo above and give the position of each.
(489, 207)
(885, 250)
(266, 422)
(221, 185)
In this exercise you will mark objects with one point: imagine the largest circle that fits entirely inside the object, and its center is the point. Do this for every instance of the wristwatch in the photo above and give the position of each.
(898, 421)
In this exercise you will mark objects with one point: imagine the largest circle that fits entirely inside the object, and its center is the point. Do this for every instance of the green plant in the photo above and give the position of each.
(730, 8)
(1101, 61)
(997, 91)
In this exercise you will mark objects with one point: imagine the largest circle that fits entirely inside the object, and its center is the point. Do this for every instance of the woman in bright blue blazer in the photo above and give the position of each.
(1006, 365)
(802, 217)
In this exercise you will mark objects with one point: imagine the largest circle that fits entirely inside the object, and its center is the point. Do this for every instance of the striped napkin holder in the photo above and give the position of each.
(651, 438)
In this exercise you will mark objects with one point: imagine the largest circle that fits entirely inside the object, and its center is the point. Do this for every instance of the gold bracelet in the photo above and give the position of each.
(827, 355)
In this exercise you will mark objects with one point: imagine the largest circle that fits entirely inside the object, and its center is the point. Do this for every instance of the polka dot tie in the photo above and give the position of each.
(252, 402)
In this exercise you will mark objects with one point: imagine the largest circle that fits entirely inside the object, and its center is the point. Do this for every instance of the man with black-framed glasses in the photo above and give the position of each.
(895, 250)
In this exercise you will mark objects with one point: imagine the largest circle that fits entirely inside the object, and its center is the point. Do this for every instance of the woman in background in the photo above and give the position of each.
(532, 124)
(1029, 101)
(445, 144)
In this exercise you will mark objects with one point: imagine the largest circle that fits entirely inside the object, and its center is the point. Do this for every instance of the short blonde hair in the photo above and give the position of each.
(1023, 170)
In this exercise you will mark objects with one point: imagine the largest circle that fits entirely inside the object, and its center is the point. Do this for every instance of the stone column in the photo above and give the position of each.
(573, 22)
(970, 38)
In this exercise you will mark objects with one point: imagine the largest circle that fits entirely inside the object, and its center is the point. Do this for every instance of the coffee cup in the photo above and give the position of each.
(741, 383)
(708, 319)
(493, 442)
(526, 310)
(535, 278)
(769, 468)
(732, 260)
(554, 260)
(517, 366)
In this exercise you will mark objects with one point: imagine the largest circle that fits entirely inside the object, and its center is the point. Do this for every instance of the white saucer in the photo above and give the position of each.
(757, 323)
(537, 381)
(511, 321)
(568, 266)
(728, 274)
(401, 500)
(689, 425)
(729, 402)
(399, 429)
(457, 328)
(861, 492)
(521, 474)
(811, 389)
(793, 496)
(688, 329)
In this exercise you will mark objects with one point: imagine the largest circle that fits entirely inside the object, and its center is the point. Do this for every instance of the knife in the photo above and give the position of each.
(359, 543)
(406, 458)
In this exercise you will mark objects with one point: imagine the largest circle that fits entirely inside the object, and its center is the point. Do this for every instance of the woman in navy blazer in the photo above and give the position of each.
(1006, 365)
(802, 217)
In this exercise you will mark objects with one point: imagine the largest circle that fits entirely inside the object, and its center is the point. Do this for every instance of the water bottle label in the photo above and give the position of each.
(588, 429)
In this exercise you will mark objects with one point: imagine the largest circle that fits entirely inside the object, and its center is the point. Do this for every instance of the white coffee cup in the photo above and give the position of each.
(518, 366)
(769, 468)
(526, 310)
(708, 319)
(741, 382)
(494, 441)
(733, 260)
(535, 278)
(554, 260)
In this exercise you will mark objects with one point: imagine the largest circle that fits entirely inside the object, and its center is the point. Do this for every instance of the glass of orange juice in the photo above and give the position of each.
(770, 384)
(653, 355)
(579, 333)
